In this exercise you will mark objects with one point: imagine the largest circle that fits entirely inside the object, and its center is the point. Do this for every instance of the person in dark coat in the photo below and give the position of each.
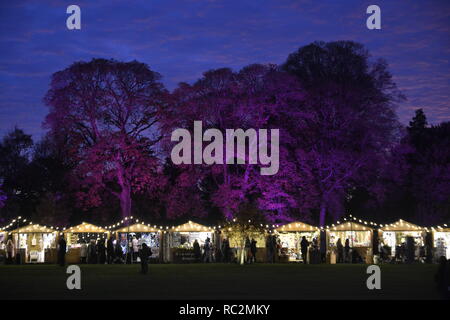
(340, 251)
(118, 256)
(62, 245)
(101, 251)
(197, 252)
(253, 250)
(110, 250)
(304, 248)
(347, 251)
(144, 254)
(442, 278)
(92, 252)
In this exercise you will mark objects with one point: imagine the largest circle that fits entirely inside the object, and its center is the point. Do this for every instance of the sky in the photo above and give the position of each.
(183, 39)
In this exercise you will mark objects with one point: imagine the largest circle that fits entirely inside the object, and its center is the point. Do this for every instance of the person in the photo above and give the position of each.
(9, 251)
(110, 250)
(226, 250)
(92, 252)
(135, 244)
(340, 251)
(347, 250)
(83, 252)
(442, 278)
(304, 249)
(62, 245)
(269, 249)
(207, 250)
(101, 251)
(118, 254)
(253, 250)
(247, 250)
(197, 251)
(144, 254)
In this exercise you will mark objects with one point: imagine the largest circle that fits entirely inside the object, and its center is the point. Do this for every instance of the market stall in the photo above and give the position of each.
(235, 240)
(359, 238)
(441, 241)
(84, 232)
(395, 235)
(291, 235)
(35, 243)
(144, 234)
(180, 241)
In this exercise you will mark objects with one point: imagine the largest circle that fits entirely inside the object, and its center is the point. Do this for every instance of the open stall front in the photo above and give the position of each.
(180, 241)
(441, 242)
(35, 243)
(235, 240)
(144, 234)
(394, 235)
(290, 236)
(74, 236)
(359, 238)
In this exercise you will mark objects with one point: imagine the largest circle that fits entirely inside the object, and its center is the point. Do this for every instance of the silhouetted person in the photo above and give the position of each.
(9, 251)
(253, 250)
(101, 251)
(118, 254)
(62, 251)
(207, 250)
(304, 248)
(197, 252)
(92, 252)
(347, 251)
(442, 278)
(110, 250)
(83, 251)
(226, 250)
(340, 251)
(144, 254)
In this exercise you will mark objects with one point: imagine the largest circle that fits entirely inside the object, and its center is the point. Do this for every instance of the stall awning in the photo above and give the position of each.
(33, 228)
(296, 226)
(350, 226)
(138, 227)
(440, 229)
(85, 228)
(191, 227)
(401, 225)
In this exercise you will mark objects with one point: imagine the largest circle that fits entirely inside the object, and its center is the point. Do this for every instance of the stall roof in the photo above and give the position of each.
(191, 227)
(351, 226)
(85, 228)
(138, 227)
(296, 226)
(34, 228)
(401, 225)
(441, 229)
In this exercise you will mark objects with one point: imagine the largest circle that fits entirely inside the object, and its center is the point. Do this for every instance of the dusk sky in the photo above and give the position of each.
(182, 39)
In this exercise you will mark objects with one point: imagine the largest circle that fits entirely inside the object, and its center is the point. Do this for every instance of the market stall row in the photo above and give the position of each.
(191, 242)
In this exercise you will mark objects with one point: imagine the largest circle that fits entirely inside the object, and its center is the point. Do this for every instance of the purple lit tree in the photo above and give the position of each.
(104, 114)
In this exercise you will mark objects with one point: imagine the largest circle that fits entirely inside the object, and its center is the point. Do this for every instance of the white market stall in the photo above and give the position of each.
(394, 235)
(152, 236)
(36, 243)
(180, 240)
(359, 236)
(441, 241)
(82, 232)
(291, 235)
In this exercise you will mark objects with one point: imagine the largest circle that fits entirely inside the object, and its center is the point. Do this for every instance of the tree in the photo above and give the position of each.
(348, 120)
(104, 113)
(251, 98)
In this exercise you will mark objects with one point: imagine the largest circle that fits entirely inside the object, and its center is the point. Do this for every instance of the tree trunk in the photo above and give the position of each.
(125, 201)
(242, 253)
(323, 212)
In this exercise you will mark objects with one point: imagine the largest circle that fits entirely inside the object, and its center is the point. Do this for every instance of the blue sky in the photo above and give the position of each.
(182, 39)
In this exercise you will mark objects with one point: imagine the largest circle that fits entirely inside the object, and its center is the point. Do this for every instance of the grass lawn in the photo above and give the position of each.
(218, 281)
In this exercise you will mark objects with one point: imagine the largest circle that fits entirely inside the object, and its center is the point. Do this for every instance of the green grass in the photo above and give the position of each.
(218, 281)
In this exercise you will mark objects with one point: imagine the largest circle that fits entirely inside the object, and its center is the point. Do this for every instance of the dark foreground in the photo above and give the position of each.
(218, 281)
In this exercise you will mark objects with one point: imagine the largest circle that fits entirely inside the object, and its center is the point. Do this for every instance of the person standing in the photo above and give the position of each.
(197, 251)
(110, 250)
(340, 251)
(253, 250)
(92, 252)
(62, 251)
(144, 254)
(304, 249)
(101, 249)
(83, 252)
(9, 251)
(207, 250)
(347, 251)
(135, 245)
